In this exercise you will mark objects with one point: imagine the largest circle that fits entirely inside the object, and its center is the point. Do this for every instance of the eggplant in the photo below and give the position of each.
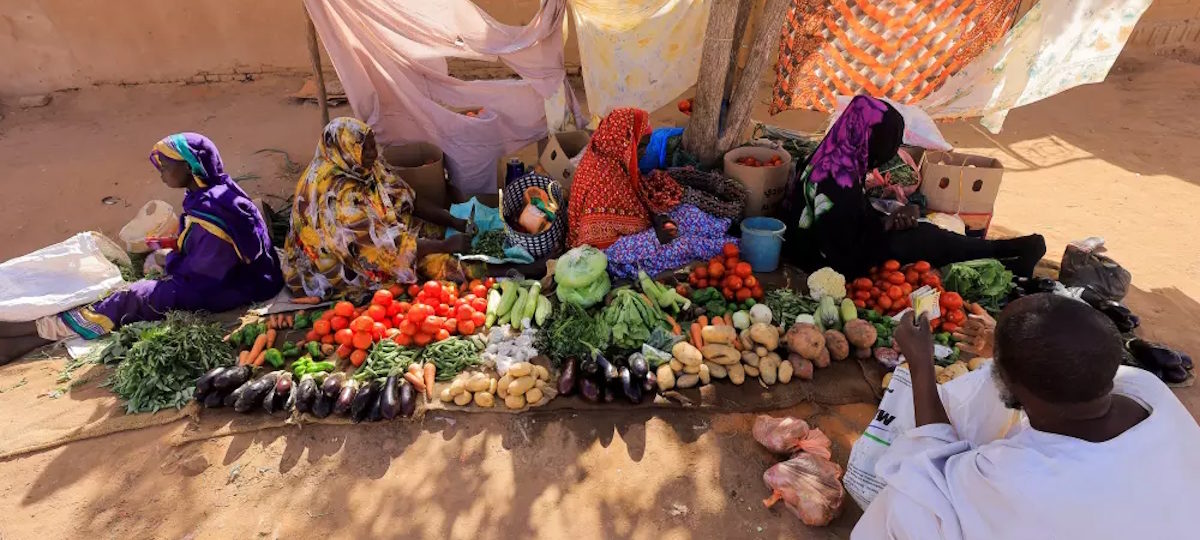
(589, 366)
(268, 402)
(650, 383)
(214, 401)
(638, 365)
(1153, 355)
(389, 399)
(567, 379)
(1187, 361)
(607, 370)
(1174, 374)
(283, 386)
(333, 385)
(232, 397)
(345, 398)
(231, 378)
(366, 397)
(631, 386)
(306, 393)
(323, 406)
(589, 390)
(255, 391)
(408, 400)
(204, 384)
(1120, 315)
(375, 413)
(610, 392)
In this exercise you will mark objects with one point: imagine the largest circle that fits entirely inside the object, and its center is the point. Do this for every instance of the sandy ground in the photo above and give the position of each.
(1113, 160)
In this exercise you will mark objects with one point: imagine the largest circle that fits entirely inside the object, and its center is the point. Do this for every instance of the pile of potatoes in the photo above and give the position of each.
(948, 373)
(524, 384)
(686, 369)
(720, 358)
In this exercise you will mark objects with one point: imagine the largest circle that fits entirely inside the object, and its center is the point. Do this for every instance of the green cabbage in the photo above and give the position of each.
(580, 267)
(586, 296)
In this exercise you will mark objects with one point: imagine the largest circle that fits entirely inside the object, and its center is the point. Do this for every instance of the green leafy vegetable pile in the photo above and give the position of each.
(632, 318)
(985, 281)
(572, 332)
(490, 243)
(786, 304)
(158, 362)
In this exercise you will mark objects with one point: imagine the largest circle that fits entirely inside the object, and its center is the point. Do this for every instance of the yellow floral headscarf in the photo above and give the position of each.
(351, 226)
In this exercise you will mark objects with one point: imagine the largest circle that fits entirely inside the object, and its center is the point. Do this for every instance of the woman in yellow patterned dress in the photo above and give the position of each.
(355, 226)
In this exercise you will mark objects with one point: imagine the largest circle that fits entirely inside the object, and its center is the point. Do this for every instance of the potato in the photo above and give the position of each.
(721, 354)
(478, 383)
(519, 369)
(760, 351)
(688, 381)
(692, 369)
(719, 335)
(822, 360)
(705, 375)
(666, 377)
(502, 386)
(446, 396)
(687, 354)
(804, 371)
(765, 335)
(463, 399)
(717, 370)
(835, 342)
(744, 338)
(676, 365)
(737, 374)
(514, 401)
(458, 386)
(785, 372)
(804, 338)
(522, 385)
(485, 399)
(751, 371)
(540, 385)
(887, 379)
(775, 356)
(953, 371)
(750, 358)
(492, 385)
(977, 362)
(542, 373)
(533, 396)
(768, 371)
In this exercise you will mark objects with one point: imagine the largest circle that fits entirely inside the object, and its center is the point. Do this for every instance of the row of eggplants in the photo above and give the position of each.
(320, 395)
(598, 379)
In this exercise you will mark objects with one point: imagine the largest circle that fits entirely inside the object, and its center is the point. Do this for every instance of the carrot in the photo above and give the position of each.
(702, 320)
(262, 357)
(697, 340)
(415, 369)
(291, 321)
(271, 334)
(718, 321)
(243, 358)
(307, 300)
(415, 381)
(430, 372)
(260, 345)
(674, 325)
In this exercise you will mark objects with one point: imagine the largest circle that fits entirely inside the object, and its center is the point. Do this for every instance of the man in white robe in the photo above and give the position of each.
(1100, 451)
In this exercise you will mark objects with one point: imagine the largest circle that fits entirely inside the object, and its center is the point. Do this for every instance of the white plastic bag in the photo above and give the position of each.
(69, 274)
(155, 219)
(972, 402)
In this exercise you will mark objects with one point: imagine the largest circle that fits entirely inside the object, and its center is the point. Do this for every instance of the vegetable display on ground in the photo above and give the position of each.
(158, 362)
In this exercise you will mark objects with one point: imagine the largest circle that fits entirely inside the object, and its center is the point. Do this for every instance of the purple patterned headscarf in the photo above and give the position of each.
(844, 154)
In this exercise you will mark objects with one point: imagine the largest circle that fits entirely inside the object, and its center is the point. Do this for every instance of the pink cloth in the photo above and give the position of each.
(390, 56)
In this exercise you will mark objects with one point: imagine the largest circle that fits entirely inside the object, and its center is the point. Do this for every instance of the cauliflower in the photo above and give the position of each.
(826, 282)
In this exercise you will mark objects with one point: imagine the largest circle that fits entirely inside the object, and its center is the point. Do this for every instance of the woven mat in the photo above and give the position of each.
(898, 49)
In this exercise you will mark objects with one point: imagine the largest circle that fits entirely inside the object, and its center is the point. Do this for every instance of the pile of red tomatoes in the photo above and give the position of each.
(886, 290)
(429, 312)
(728, 273)
(751, 161)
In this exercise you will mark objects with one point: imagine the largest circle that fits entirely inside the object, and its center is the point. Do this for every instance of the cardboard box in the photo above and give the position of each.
(956, 183)
(560, 148)
(422, 166)
(765, 186)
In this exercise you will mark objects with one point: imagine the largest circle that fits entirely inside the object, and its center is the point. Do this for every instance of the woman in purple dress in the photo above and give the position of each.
(224, 257)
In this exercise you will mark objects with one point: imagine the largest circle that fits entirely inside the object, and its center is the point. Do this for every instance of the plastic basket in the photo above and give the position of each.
(512, 202)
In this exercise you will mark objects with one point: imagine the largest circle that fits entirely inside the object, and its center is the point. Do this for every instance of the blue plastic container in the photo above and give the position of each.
(762, 240)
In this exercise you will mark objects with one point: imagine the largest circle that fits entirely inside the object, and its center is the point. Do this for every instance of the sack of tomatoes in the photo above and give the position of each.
(730, 274)
(435, 312)
(751, 161)
(887, 287)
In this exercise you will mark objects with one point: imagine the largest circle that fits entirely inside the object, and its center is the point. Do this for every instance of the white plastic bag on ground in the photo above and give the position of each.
(69, 274)
(972, 402)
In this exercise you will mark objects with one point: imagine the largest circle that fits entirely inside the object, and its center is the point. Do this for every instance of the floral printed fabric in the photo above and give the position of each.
(842, 156)
(701, 237)
(1056, 46)
(604, 203)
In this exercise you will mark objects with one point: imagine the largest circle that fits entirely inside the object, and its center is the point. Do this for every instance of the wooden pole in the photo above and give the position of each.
(314, 51)
(700, 137)
(766, 36)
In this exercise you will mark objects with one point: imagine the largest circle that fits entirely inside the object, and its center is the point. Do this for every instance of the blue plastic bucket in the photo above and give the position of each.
(762, 239)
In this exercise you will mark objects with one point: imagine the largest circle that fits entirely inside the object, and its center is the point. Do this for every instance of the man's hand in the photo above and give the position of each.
(975, 336)
(903, 219)
(915, 341)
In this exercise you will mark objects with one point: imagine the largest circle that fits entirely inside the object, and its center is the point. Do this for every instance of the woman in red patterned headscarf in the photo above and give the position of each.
(604, 203)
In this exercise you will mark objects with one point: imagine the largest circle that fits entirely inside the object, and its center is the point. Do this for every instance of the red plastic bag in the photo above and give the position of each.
(789, 435)
(810, 486)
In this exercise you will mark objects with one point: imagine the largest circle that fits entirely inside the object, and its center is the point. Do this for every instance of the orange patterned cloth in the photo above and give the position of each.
(604, 203)
(899, 49)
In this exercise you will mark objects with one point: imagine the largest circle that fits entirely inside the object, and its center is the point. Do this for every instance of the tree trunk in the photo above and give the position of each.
(704, 137)
(739, 30)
